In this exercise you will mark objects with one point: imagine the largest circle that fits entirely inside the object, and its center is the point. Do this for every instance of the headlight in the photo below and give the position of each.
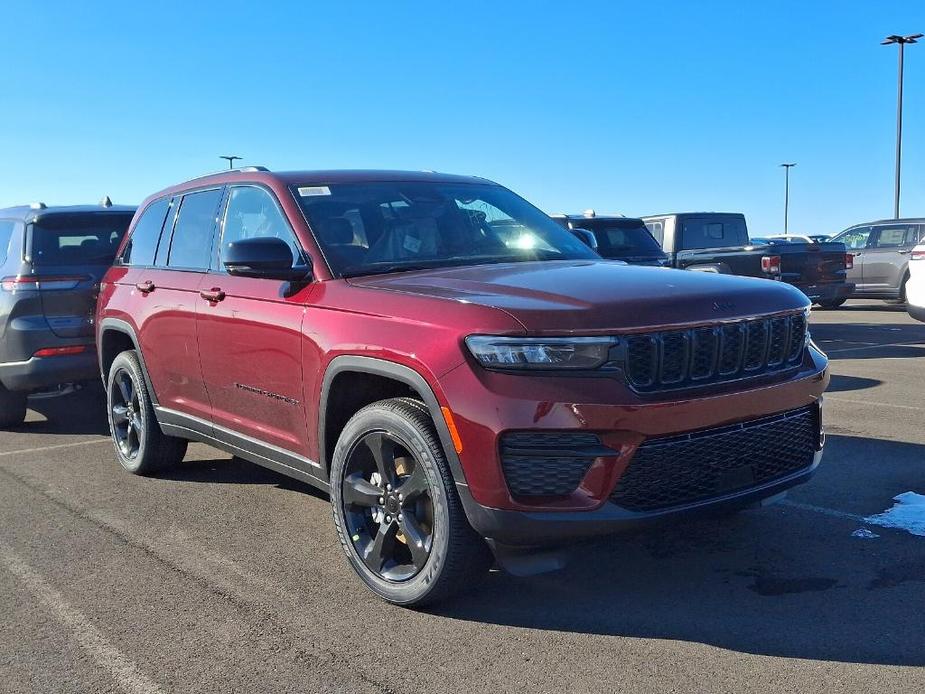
(494, 352)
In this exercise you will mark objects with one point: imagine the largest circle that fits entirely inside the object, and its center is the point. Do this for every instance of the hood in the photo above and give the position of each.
(596, 295)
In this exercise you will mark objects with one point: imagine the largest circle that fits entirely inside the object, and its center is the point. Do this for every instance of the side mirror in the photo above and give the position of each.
(586, 237)
(265, 257)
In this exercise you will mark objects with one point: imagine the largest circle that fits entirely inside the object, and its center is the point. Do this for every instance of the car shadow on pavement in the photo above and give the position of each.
(79, 412)
(842, 384)
(235, 471)
(786, 580)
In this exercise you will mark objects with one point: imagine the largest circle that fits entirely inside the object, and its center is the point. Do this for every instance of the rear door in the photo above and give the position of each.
(69, 253)
(167, 299)
(887, 257)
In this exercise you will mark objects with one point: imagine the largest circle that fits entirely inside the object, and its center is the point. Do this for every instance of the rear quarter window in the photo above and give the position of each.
(77, 239)
(7, 226)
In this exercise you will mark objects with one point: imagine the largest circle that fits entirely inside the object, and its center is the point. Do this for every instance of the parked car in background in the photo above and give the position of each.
(450, 364)
(51, 262)
(915, 287)
(881, 256)
(820, 238)
(618, 238)
(719, 242)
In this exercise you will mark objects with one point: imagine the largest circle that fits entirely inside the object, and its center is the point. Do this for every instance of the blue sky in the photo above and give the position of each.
(632, 107)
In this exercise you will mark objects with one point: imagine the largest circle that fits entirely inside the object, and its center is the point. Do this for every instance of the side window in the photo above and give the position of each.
(6, 236)
(657, 229)
(252, 213)
(854, 239)
(915, 235)
(191, 245)
(889, 237)
(142, 244)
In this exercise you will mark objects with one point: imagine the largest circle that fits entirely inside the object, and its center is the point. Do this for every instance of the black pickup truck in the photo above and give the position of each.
(719, 242)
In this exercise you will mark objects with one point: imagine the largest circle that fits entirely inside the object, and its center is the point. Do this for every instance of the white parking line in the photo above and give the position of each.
(889, 344)
(41, 449)
(88, 637)
(838, 398)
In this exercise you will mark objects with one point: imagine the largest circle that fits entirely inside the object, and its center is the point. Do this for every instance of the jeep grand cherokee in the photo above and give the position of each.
(456, 369)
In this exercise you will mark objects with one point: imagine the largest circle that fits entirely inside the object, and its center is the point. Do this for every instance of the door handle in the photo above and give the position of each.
(145, 287)
(212, 295)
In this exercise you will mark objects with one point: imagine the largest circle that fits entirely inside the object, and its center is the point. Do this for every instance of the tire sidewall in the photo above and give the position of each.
(421, 585)
(127, 361)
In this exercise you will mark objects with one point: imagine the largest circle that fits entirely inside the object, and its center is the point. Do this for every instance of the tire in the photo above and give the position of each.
(141, 447)
(448, 558)
(12, 408)
(902, 290)
(832, 303)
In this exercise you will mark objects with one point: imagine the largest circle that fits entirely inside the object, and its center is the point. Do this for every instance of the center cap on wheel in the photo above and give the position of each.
(392, 505)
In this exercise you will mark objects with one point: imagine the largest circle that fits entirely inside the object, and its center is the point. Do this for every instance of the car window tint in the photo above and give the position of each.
(854, 239)
(142, 244)
(701, 232)
(253, 213)
(191, 246)
(890, 237)
(78, 239)
(6, 235)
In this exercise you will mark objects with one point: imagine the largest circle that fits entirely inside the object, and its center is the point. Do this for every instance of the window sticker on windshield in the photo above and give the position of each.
(311, 191)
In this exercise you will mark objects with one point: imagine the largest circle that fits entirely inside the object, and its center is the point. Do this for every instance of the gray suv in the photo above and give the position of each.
(881, 256)
(51, 262)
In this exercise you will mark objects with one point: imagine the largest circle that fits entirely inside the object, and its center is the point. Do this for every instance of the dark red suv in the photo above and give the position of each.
(456, 369)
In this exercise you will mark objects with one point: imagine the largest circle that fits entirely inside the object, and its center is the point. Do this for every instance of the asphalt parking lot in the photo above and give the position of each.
(225, 577)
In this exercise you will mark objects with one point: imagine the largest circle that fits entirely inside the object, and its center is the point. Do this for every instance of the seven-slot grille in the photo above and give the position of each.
(538, 463)
(679, 470)
(685, 358)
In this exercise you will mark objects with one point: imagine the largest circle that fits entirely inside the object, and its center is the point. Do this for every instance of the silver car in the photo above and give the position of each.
(881, 256)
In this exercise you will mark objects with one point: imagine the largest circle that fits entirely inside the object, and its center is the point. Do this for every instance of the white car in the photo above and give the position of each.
(915, 285)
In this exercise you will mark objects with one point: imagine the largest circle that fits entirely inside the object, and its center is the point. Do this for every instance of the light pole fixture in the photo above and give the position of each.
(901, 41)
(787, 168)
(230, 159)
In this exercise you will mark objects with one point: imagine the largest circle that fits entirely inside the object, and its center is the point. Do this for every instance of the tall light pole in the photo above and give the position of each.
(787, 168)
(902, 41)
(230, 159)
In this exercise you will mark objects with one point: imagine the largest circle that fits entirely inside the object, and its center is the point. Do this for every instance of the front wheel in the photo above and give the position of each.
(832, 303)
(395, 506)
(141, 447)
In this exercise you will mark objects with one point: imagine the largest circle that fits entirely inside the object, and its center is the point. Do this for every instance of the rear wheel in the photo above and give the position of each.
(140, 445)
(12, 407)
(396, 509)
(832, 303)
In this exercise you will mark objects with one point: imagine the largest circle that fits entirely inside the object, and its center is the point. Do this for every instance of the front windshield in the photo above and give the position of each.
(375, 228)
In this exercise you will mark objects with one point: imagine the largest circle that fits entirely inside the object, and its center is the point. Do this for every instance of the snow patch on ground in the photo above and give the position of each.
(865, 534)
(907, 514)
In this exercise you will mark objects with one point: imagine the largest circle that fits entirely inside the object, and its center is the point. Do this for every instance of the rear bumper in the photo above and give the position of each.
(537, 529)
(43, 372)
(827, 292)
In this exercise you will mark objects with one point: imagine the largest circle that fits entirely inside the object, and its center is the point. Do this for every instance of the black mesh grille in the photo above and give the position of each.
(548, 463)
(684, 358)
(706, 464)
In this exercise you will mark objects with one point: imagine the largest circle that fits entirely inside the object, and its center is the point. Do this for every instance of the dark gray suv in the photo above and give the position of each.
(881, 256)
(51, 263)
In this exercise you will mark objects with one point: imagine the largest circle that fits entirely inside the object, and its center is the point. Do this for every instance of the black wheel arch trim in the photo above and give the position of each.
(402, 374)
(120, 326)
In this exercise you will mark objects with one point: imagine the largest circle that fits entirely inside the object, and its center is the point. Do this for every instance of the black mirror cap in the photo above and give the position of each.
(586, 237)
(264, 257)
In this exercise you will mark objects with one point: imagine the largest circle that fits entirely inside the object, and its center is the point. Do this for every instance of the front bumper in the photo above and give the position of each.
(37, 373)
(536, 529)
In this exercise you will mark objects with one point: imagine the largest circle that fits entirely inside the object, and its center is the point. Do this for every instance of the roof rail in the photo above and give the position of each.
(236, 169)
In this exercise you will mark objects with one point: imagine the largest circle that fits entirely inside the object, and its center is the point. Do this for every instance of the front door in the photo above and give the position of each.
(250, 334)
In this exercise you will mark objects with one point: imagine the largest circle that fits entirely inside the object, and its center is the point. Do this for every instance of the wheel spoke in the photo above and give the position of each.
(119, 414)
(139, 428)
(414, 485)
(417, 542)
(125, 387)
(381, 548)
(360, 492)
(383, 450)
